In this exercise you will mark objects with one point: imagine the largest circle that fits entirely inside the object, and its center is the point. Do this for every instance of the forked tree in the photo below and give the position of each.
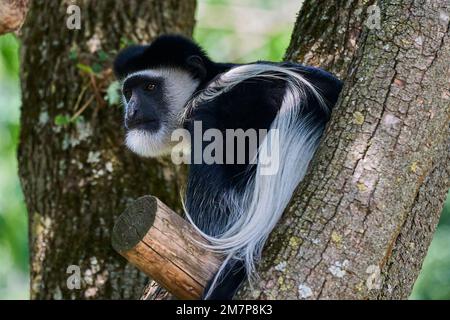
(358, 226)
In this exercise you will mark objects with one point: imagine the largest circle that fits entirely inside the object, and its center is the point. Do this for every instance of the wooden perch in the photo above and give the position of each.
(12, 15)
(163, 245)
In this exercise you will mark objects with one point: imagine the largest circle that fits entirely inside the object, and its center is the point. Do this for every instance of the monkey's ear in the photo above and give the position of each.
(197, 66)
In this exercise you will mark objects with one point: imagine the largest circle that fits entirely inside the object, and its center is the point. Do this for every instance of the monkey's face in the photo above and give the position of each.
(154, 101)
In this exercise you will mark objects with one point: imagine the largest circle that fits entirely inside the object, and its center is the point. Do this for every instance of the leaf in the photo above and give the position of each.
(125, 42)
(9, 47)
(73, 55)
(103, 56)
(112, 93)
(85, 68)
(97, 68)
(62, 120)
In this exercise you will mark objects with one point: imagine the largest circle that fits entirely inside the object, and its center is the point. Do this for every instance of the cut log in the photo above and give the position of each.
(12, 15)
(165, 247)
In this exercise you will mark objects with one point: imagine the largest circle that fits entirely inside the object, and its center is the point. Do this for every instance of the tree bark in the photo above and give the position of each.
(359, 225)
(76, 174)
(326, 34)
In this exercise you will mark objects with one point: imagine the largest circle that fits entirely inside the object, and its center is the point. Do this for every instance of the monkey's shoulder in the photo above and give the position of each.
(251, 103)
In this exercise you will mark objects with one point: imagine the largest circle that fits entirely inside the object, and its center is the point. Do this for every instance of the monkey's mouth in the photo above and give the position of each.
(144, 124)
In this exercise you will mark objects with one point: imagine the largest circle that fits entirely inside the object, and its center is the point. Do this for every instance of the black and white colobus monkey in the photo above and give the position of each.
(172, 83)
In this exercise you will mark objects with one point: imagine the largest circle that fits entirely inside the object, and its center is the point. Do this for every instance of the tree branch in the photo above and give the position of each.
(165, 247)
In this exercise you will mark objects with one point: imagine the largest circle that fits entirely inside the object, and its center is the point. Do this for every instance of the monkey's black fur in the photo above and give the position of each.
(168, 51)
(253, 103)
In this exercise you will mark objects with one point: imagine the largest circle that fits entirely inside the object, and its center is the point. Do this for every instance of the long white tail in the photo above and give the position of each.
(256, 212)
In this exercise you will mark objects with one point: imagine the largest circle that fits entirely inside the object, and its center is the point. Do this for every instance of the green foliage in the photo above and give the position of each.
(113, 94)
(216, 41)
(85, 68)
(103, 56)
(266, 4)
(97, 68)
(9, 59)
(125, 42)
(13, 220)
(434, 280)
(213, 40)
(274, 48)
(225, 41)
(73, 54)
(62, 120)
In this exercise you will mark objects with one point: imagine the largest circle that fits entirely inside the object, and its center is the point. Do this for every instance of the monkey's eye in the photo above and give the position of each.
(151, 87)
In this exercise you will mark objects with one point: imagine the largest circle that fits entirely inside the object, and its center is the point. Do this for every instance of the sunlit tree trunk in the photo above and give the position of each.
(76, 174)
(360, 223)
(326, 33)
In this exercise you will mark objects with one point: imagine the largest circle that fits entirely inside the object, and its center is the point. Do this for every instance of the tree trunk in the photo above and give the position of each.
(76, 174)
(360, 223)
(326, 34)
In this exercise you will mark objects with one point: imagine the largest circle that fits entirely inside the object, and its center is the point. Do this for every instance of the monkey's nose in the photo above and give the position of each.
(131, 109)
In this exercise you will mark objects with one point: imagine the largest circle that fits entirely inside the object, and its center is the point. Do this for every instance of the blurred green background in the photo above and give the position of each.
(228, 32)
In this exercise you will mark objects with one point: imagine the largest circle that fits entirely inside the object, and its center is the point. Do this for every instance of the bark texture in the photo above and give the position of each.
(326, 34)
(12, 15)
(359, 225)
(76, 174)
